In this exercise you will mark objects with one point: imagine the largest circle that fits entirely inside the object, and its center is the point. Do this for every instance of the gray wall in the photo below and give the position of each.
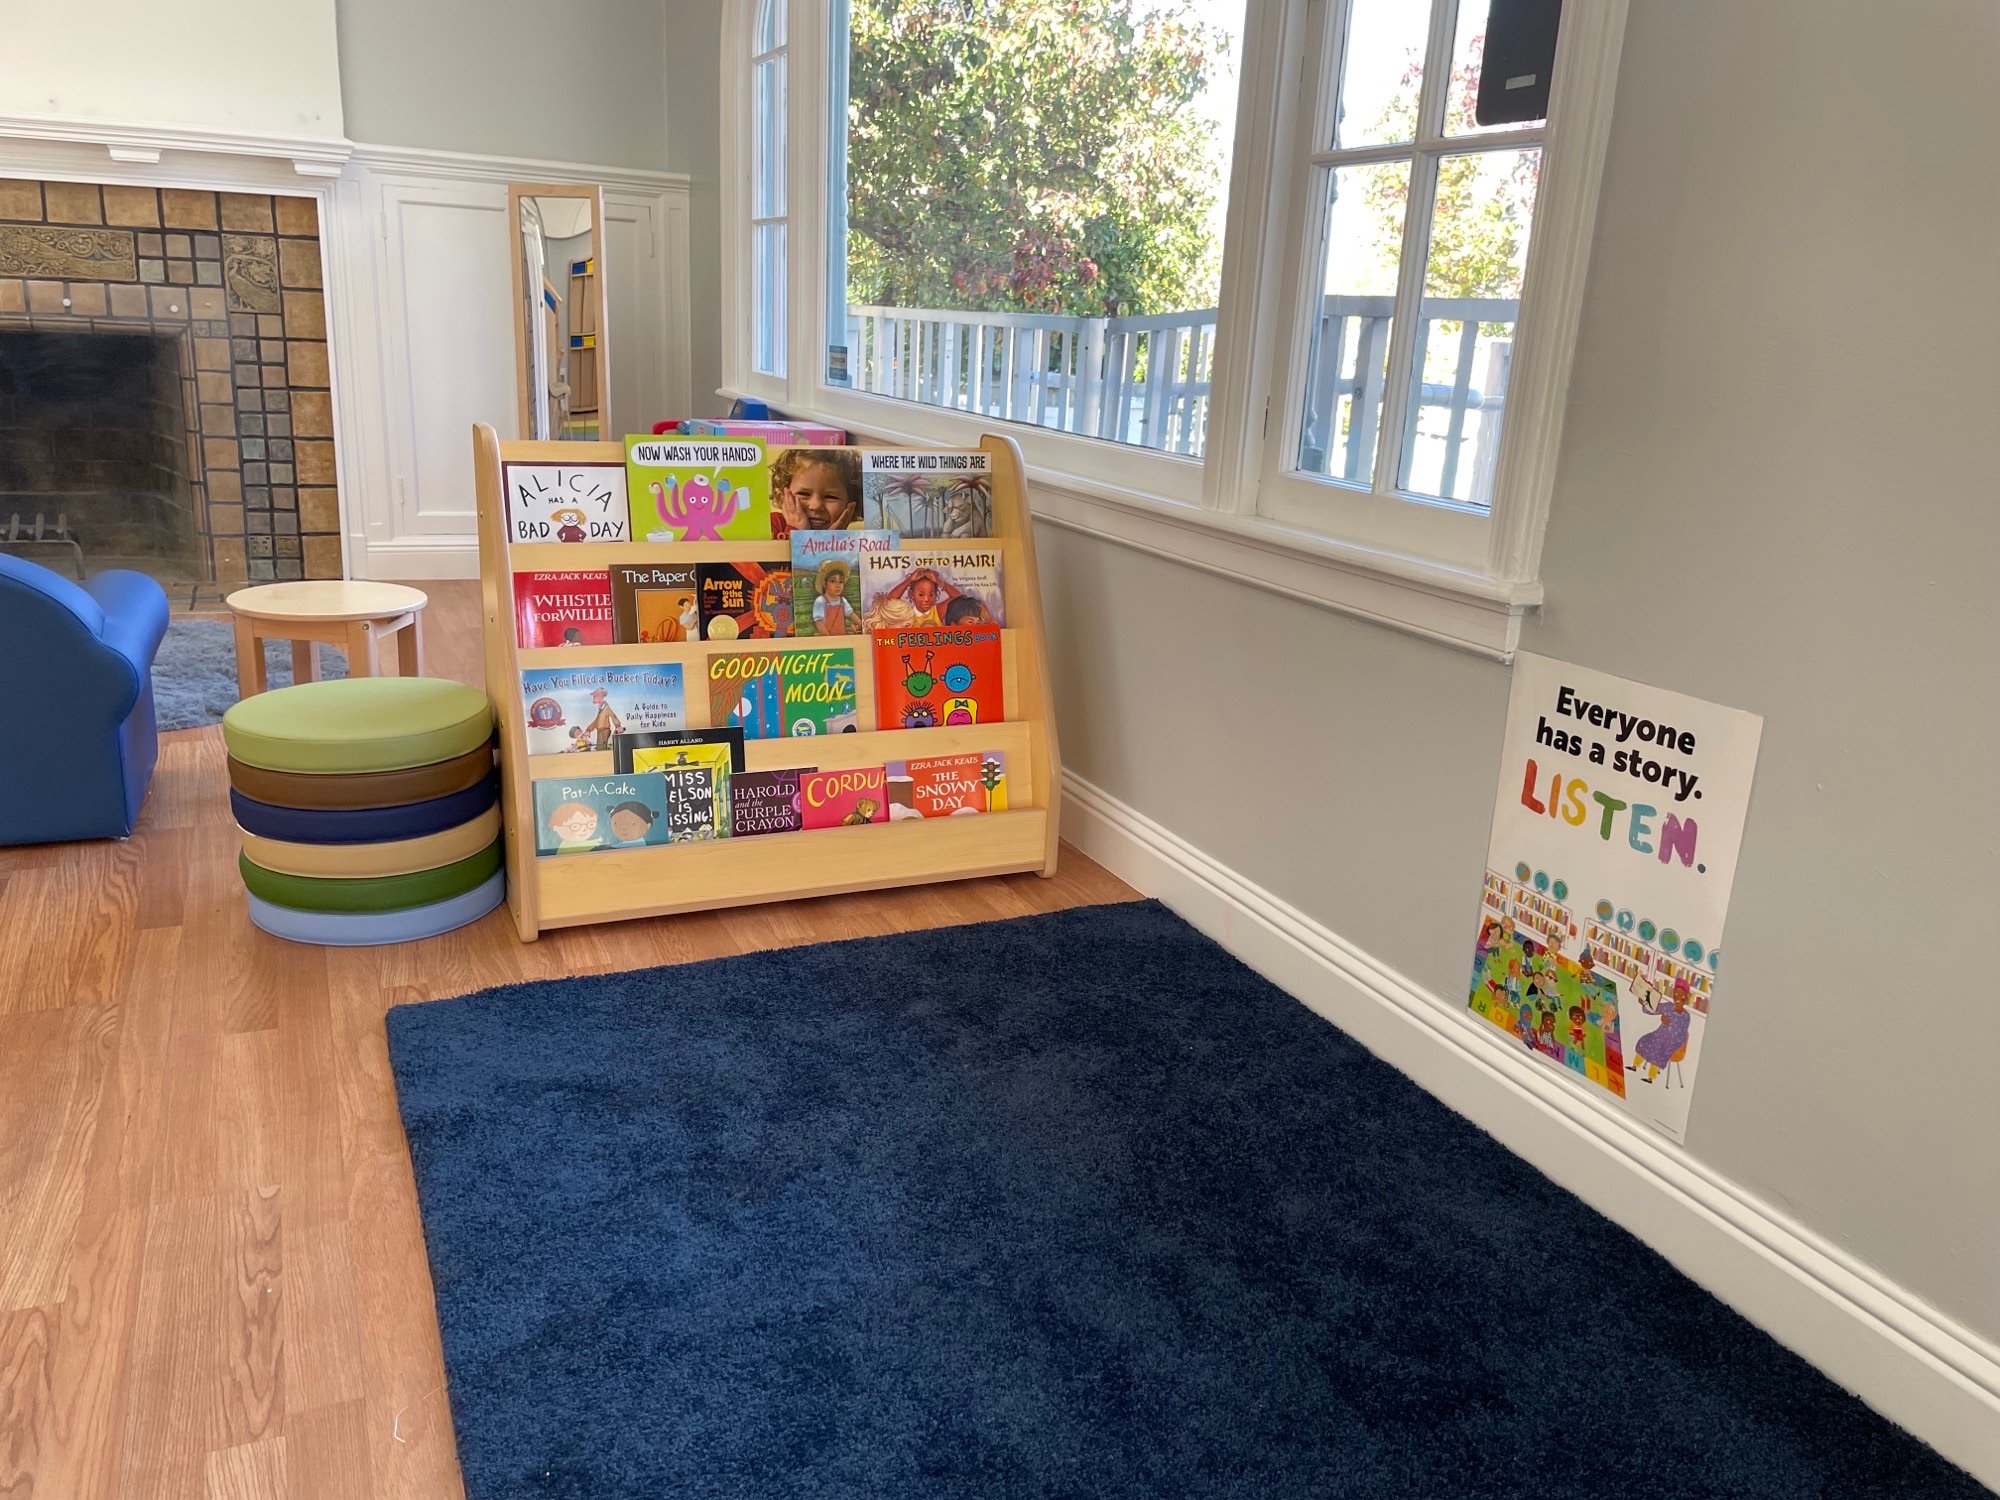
(623, 83)
(575, 83)
(1777, 491)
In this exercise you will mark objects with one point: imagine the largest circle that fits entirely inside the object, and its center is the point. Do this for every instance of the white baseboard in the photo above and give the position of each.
(410, 558)
(1916, 1366)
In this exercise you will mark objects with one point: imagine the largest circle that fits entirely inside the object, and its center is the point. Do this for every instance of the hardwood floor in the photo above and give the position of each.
(212, 1274)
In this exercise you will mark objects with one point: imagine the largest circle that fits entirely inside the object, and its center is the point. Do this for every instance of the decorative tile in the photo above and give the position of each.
(278, 448)
(45, 297)
(298, 264)
(206, 302)
(307, 364)
(270, 326)
(180, 272)
(128, 301)
(211, 354)
(251, 447)
(73, 254)
(281, 473)
(322, 556)
(248, 425)
(315, 463)
(248, 213)
(208, 247)
(185, 208)
(255, 474)
(271, 351)
(297, 216)
(20, 199)
(290, 570)
(213, 385)
(319, 510)
(285, 546)
(73, 203)
(87, 299)
(257, 496)
(247, 378)
(225, 484)
(170, 303)
(257, 523)
(250, 273)
(218, 452)
(312, 414)
(179, 247)
(242, 325)
(285, 523)
(217, 419)
(278, 426)
(13, 296)
(152, 272)
(154, 245)
(305, 315)
(138, 207)
(277, 401)
(207, 273)
(262, 570)
(229, 559)
(225, 520)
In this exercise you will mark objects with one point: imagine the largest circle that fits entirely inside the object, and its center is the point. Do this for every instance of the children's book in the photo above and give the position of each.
(565, 502)
(826, 579)
(697, 789)
(765, 801)
(585, 708)
(687, 489)
(931, 583)
(947, 786)
(928, 492)
(655, 602)
(815, 489)
(743, 601)
(562, 609)
(783, 694)
(842, 799)
(771, 432)
(930, 676)
(576, 814)
(627, 748)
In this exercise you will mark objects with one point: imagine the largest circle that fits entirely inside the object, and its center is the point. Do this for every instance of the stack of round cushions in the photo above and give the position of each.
(369, 808)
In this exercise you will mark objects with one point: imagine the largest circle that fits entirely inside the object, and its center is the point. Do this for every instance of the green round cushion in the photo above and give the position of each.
(358, 725)
(378, 893)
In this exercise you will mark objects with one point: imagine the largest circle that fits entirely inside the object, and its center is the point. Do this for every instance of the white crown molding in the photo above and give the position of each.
(1919, 1367)
(139, 143)
(465, 167)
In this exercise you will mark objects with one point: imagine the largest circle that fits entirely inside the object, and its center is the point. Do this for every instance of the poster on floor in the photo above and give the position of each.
(1615, 836)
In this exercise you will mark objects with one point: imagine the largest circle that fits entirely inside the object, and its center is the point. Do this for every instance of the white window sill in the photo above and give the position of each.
(1452, 606)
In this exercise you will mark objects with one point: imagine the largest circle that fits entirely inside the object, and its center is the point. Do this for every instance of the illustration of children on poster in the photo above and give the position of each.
(1614, 846)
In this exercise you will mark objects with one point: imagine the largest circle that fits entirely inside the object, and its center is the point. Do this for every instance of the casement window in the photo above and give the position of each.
(769, 189)
(1286, 290)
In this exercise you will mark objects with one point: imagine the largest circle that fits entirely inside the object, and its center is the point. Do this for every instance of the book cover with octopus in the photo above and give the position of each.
(684, 489)
(1614, 844)
(931, 676)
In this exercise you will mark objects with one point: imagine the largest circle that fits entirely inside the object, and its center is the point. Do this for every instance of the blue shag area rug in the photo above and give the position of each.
(1068, 1206)
(194, 673)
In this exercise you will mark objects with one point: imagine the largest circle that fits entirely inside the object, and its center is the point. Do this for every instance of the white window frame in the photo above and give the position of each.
(1440, 571)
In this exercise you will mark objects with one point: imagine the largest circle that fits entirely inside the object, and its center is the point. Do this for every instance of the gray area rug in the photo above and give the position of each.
(194, 674)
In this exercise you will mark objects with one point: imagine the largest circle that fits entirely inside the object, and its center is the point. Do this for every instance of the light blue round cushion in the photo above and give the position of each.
(342, 929)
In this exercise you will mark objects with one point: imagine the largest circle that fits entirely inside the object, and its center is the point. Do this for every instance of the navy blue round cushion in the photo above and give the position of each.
(364, 825)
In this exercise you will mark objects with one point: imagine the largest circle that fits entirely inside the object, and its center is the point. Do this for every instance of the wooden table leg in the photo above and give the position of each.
(305, 661)
(363, 650)
(250, 678)
(410, 646)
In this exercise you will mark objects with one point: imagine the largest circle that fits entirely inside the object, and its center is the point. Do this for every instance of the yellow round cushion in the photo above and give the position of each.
(361, 861)
(358, 725)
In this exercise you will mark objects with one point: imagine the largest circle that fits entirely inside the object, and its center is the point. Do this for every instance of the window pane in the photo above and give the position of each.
(1351, 321)
(767, 126)
(1468, 58)
(1465, 331)
(1382, 71)
(770, 25)
(767, 312)
(1035, 201)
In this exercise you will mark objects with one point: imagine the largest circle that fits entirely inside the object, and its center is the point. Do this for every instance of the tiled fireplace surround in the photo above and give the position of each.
(235, 279)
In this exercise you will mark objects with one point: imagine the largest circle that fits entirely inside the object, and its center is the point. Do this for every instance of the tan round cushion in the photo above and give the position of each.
(360, 861)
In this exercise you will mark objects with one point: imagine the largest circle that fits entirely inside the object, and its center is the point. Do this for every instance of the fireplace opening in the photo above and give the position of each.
(94, 453)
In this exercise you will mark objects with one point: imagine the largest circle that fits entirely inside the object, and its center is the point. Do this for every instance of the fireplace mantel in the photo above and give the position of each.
(307, 156)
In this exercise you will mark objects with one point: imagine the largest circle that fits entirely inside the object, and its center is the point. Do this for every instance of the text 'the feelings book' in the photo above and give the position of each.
(928, 677)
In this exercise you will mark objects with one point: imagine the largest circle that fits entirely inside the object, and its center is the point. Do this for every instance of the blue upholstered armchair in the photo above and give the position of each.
(77, 741)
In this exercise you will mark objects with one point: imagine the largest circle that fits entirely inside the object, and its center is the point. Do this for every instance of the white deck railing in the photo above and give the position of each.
(1145, 380)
